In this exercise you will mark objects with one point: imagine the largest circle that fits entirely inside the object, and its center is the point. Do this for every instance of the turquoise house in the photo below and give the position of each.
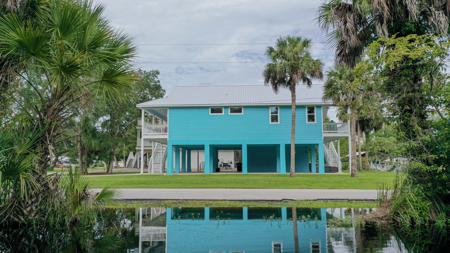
(246, 230)
(237, 129)
(237, 230)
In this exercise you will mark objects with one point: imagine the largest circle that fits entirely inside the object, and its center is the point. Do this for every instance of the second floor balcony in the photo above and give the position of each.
(153, 130)
(332, 129)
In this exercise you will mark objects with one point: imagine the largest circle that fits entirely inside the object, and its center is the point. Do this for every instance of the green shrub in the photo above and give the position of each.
(433, 179)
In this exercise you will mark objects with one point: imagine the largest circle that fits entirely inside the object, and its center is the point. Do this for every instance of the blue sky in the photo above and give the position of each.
(214, 41)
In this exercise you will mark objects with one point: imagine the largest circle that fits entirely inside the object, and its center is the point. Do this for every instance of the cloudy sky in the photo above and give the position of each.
(213, 41)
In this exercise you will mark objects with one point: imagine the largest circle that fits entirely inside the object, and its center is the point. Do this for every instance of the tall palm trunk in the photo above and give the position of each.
(353, 143)
(82, 155)
(294, 112)
(81, 145)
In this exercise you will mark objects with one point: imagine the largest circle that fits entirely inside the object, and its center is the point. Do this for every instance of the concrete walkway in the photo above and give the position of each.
(243, 194)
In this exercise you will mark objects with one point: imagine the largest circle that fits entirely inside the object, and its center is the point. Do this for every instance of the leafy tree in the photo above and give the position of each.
(409, 66)
(291, 63)
(385, 143)
(107, 129)
(354, 24)
(354, 93)
(415, 86)
(67, 51)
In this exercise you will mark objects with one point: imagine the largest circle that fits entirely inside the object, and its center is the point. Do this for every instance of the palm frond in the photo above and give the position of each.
(291, 62)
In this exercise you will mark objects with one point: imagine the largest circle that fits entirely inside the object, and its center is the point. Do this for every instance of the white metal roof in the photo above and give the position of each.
(210, 95)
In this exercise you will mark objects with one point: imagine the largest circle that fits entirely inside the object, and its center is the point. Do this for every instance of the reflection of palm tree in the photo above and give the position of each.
(294, 221)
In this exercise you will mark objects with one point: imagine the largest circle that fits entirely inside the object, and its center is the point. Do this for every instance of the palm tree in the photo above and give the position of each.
(341, 89)
(354, 92)
(25, 9)
(353, 24)
(348, 27)
(68, 50)
(291, 63)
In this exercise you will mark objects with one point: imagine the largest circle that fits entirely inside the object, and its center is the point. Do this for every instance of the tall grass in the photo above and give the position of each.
(409, 205)
(417, 216)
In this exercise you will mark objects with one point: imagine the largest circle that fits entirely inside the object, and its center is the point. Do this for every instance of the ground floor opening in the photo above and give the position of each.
(244, 158)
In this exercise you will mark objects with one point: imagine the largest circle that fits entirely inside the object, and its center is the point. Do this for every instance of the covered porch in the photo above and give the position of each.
(243, 158)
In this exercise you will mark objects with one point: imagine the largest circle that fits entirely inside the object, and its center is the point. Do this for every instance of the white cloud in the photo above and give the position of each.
(213, 41)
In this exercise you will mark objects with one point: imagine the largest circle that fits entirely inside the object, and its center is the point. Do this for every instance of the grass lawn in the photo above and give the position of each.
(364, 180)
(220, 203)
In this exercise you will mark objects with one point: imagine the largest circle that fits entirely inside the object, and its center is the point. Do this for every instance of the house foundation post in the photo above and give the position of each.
(188, 160)
(206, 213)
(207, 156)
(282, 156)
(183, 160)
(244, 159)
(313, 152)
(169, 159)
(321, 159)
(245, 213)
(177, 160)
(284, 214)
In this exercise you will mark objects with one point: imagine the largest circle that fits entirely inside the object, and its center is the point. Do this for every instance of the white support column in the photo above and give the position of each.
(349, 145)
(153, 158)
(142, 139)
(162, 158)
(339, 155)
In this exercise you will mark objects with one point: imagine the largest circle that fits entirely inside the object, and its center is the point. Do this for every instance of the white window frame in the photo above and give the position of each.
(233, 113)
(307, 114)
(270, 115)
(210, 113)
(276, 242)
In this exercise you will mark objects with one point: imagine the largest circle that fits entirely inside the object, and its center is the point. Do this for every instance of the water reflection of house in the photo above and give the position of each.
(341, 233)
(251, 230)
(244, 230)
(152, 229)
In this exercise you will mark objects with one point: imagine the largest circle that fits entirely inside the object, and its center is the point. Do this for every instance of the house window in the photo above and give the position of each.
(315, 247)
(274, 115)
(236, 110)
(277, 247)
(216, 110)
(311, 114)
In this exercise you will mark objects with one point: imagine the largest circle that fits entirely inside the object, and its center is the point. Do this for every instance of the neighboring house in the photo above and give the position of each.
(240, 129)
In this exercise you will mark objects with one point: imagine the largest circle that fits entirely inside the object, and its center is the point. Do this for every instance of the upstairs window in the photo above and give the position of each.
(216, 110)
(236, 110)
(274, 115)
(311, 114)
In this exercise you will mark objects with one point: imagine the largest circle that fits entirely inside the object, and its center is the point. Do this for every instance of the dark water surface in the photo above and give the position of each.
(229, 230)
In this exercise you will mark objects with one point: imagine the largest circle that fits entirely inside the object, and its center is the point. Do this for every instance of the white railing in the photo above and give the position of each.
(155, 129)
(332, 157)
(150, 128)
(158, 158)
(335, 128)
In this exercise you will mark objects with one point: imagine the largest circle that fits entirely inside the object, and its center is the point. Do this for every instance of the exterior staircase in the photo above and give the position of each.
(157, 162)
(332, 158)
